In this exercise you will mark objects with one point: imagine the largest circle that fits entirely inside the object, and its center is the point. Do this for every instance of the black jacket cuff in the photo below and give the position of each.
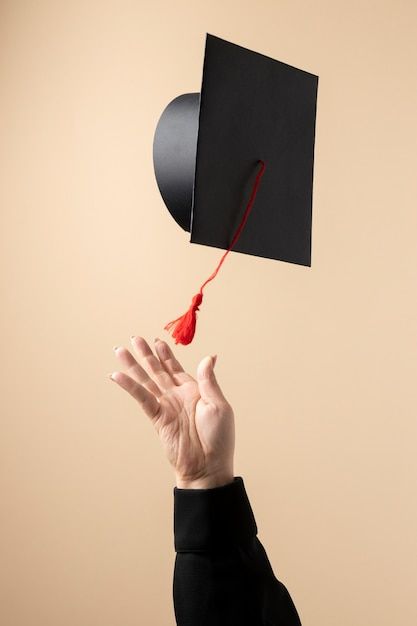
(210, 519)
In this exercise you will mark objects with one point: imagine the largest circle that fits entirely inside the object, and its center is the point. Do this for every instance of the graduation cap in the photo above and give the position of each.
(234, 163)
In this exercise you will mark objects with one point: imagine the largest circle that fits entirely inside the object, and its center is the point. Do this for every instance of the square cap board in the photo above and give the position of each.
(252, 108)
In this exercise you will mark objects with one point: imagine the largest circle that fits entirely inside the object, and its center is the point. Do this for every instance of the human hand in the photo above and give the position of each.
(192, 417)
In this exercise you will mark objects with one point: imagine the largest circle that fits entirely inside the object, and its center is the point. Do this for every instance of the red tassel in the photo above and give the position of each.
(184, 326)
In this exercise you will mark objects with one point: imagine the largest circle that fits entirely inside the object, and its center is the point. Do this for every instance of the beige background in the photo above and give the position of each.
(319, 363)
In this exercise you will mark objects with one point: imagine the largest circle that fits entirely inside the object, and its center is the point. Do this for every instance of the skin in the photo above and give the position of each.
(193, 419)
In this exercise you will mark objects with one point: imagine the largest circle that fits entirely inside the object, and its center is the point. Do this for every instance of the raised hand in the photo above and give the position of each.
(192, 417)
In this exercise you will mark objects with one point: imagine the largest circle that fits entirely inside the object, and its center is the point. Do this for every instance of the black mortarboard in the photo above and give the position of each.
(207, 149)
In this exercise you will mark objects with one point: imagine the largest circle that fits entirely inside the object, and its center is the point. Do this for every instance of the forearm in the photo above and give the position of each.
(222, 575)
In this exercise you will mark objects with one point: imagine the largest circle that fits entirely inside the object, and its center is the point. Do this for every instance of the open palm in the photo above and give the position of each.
(192, 417)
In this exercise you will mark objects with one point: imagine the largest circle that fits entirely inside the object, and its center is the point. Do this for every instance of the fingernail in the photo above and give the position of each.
(132, 336)
(115, 347)
(214, 359)
(156, 339)
(110, 375)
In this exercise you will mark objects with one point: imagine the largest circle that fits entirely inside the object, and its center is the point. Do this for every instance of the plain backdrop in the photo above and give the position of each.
(319, 363)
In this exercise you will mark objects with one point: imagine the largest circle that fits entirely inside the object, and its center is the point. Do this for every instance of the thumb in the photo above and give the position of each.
(208, 386)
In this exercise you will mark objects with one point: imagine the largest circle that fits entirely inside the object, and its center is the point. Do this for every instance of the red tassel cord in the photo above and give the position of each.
(184, 326)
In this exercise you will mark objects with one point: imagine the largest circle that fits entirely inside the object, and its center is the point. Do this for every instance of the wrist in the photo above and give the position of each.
(205, 482)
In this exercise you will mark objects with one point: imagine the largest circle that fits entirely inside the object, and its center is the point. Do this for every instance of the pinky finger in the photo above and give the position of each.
(147, 401)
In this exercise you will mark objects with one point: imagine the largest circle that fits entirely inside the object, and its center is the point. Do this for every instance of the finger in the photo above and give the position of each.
(147, 401)
(136, 371)
(207, 383)
(151, 364)
(170, 362)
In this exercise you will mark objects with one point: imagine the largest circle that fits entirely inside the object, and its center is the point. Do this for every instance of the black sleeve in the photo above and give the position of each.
(222, 575)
